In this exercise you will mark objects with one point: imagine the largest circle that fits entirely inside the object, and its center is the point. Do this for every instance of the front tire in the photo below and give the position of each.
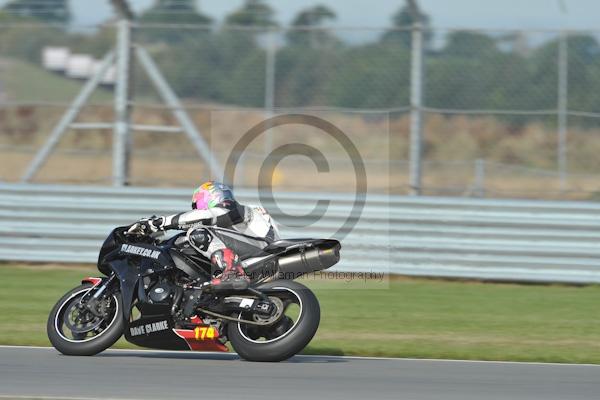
(105, 334)
(291, 339)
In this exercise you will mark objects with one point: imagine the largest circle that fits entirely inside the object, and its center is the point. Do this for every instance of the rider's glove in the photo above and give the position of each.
(150, 225)
(157, 223)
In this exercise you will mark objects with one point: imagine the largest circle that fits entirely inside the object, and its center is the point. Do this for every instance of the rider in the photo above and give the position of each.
(213, 204)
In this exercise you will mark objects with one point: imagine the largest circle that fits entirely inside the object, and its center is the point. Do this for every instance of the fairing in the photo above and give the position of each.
(155, 328)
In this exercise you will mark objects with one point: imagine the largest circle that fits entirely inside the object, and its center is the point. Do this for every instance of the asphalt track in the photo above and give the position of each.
(29, 372)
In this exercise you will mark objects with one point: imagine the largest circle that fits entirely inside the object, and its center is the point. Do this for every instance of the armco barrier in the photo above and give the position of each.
(423, 236)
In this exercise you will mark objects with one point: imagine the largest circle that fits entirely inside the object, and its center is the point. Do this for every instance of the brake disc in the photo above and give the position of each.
(80, 320)
(273, 318)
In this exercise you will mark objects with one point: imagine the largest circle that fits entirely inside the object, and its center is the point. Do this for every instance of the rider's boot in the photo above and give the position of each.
(233, 277)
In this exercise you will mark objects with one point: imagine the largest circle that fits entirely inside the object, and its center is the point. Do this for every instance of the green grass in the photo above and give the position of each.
(30, 82)
(400, 318)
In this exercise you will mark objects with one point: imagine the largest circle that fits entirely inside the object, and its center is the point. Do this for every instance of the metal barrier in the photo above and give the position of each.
(422, 236)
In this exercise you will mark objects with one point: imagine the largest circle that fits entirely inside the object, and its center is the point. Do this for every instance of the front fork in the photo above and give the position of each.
(90, 299)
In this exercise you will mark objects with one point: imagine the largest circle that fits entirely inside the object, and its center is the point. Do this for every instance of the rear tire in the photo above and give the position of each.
(288, 344)
(84, 346)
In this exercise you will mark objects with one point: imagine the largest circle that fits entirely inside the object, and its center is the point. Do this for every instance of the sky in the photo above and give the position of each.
(489, 14)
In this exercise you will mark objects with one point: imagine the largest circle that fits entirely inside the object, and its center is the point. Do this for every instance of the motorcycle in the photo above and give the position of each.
(155, 291)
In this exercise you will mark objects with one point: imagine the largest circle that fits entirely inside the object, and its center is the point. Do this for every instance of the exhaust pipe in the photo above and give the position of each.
(314, 259)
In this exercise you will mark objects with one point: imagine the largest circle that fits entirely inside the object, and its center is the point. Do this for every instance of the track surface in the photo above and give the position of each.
(42, 372)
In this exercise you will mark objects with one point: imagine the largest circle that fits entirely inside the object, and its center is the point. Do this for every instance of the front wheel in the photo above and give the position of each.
(74, 330)
(293, 330)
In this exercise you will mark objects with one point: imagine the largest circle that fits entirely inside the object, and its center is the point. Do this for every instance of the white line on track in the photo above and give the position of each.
(12, 397)
(320, 356)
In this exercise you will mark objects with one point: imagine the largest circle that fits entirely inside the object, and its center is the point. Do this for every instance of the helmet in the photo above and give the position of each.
(212, 194)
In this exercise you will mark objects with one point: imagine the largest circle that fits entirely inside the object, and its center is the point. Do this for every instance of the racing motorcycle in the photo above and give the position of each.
(155, 291)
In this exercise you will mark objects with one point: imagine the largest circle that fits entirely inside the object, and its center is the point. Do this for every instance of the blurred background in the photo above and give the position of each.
(468, 117)
(507, 108)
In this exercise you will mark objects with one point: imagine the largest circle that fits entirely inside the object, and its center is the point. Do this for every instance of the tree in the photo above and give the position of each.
(54, 11)
(584, 73)
(304, 75)
(470, 72)
(241, 60)
(368, 76)
(469, 44)
(403, 20)
(312, 17)
(175, 11)
(252, 13)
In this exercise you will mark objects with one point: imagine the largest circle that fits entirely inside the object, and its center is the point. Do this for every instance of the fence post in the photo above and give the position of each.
(121, 130)
(479, 181)
(416, 109)
(563, 104)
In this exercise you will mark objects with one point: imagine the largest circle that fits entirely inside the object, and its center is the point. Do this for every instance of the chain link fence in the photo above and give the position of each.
(506, 113)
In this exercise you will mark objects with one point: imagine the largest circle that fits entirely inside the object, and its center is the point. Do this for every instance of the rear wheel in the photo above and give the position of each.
(295, 325)
(75, 330)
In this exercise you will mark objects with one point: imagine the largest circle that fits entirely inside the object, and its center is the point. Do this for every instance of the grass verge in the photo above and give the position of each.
(399, 318)
(29, 81)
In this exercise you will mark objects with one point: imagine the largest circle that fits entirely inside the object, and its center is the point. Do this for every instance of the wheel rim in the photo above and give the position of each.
(263, 335)
(82, 326)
